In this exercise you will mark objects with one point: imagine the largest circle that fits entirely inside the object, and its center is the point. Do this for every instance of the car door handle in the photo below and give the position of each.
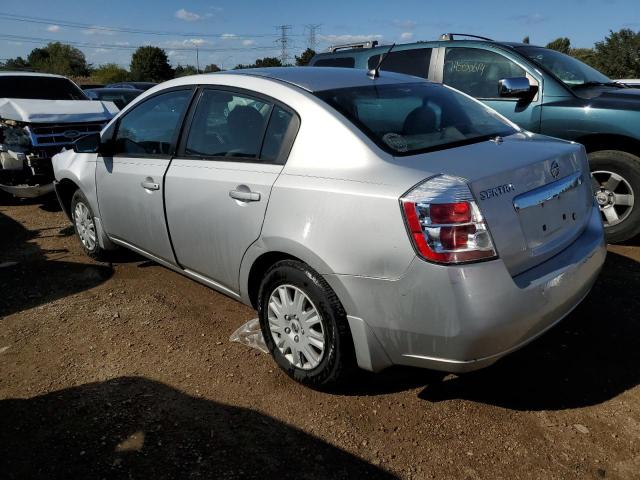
(150, 185)
(245, 196)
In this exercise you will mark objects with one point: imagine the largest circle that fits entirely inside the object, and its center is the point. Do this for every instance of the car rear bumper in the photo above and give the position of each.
(461, 318)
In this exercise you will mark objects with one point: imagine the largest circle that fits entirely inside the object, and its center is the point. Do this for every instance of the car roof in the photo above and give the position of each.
(415, 45)
(29, 74)
(113, 90)
(315, 79)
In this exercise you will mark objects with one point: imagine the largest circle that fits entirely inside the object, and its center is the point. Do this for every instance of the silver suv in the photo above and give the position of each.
(371, 220)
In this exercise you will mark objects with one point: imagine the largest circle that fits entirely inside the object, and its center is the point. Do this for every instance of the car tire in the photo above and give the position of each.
(85, 226)
(614, 168)
(295, 349)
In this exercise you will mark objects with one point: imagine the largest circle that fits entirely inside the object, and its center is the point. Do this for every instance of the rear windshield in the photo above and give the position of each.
(411, 118)
(39, 88)
(343, 62)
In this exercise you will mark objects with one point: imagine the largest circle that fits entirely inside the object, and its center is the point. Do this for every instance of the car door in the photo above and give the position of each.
(130, 181)
(477, 71)
(218, 186)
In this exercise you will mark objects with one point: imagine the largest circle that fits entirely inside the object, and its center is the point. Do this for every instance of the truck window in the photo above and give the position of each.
(411, 62)
(343, 62)
(476, 72)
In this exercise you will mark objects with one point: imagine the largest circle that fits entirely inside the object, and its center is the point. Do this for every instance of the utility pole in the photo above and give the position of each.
(284, 43)
(197, 60)
(312, 42)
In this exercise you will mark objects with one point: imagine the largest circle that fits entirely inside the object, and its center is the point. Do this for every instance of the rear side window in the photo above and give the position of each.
(411, 62)
(476, 72)
(227, 125)
(149, 128)
(275, 137)
(342, 62)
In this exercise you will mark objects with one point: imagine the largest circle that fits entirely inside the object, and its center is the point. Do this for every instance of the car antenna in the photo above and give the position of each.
(375, 72)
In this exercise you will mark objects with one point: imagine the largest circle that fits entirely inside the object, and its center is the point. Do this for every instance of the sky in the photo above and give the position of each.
(229, 32)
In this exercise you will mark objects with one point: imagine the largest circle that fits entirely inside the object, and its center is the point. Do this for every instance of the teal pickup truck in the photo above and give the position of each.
(543, 91)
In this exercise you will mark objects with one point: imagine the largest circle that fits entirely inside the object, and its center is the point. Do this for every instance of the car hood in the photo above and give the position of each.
(611, 97)
(49, 111)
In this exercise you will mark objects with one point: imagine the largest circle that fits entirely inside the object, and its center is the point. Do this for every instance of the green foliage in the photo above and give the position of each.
(305, 57)
(110, 73)
(17, 63)
(150, 64)
(58, 58)
(212, 68)
(618, 55)
(186, 70)
(561, 44)
(262, 63)
(526, 40)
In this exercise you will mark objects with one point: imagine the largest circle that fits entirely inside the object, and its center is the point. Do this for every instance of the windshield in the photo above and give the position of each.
(39, 88)
(406, 119)
(570, 70)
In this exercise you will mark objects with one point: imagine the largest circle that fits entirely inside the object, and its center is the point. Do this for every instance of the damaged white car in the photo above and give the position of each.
(40, 115)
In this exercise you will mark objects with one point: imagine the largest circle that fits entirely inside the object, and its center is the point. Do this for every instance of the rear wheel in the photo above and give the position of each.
(304, 325)
(85, 226)
(616, 182)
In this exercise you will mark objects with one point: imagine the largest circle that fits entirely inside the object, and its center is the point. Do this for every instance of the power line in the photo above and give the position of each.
(40, 40)
(312, 42)
(284, 43)
(103, 28)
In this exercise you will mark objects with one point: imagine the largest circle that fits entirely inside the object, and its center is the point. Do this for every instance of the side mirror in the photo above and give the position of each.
(87, 144)
(516, 87)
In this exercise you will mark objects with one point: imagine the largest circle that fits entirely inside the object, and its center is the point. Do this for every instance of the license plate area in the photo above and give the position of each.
(551, 213)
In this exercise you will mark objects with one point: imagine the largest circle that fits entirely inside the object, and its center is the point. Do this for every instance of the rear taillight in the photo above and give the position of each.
(445, 223)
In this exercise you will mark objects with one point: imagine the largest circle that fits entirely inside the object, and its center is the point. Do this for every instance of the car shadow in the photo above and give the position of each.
(590, 357)
(132, 427)
(29, 278)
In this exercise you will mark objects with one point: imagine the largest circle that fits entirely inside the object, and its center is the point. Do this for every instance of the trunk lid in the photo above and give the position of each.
(534, 192)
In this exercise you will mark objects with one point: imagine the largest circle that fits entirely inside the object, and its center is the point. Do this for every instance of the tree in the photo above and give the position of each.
(526, 40)
(261, 63)
(150, 64)
(59, 58)
(561, 44)
(618, 55)
(186, 70)
(212, 68)
(110, 73)
(305, 57)
(17, 63)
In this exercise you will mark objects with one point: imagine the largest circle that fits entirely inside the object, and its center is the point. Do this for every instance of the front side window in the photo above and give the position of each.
(476, 72)
(411, 118)
(227, 125)
(571, 71)
(149, 128)
(411, 62)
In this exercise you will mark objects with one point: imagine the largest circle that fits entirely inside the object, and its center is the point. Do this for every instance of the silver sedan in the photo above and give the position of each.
(371, 220)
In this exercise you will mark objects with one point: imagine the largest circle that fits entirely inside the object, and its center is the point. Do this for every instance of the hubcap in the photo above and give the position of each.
(296, 327)
(85, 226)
(614, 196)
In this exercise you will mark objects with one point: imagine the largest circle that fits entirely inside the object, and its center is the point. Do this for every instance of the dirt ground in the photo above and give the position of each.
(126, 371)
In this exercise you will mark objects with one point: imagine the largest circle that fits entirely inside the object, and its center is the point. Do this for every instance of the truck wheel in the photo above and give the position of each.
(85, 226)
(304, 325)
(616, 182)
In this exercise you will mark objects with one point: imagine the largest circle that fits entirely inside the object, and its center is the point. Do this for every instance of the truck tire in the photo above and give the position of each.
(616, 181)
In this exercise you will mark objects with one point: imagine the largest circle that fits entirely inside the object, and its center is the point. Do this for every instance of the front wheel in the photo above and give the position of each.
(616, 182)
(85, 226)
(304, 325)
